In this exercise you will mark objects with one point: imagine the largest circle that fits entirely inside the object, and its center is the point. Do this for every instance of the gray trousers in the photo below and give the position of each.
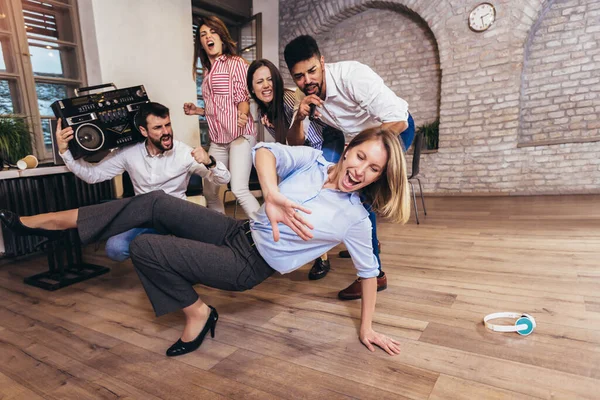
(194, 245)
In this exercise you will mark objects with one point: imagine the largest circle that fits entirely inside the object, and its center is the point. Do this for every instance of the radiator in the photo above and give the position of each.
(47, 193)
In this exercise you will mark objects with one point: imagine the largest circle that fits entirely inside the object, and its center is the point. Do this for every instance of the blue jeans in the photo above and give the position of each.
(333, 150)
(408, 135)
(117, 247)
(333, 144)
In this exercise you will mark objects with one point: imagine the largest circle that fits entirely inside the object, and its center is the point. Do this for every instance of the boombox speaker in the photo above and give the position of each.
(101, 121)
(93, 158)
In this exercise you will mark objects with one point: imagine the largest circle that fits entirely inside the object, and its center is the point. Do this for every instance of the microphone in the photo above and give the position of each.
(311, 115)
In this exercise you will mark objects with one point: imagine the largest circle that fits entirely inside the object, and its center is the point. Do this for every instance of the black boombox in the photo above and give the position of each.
(101, 121)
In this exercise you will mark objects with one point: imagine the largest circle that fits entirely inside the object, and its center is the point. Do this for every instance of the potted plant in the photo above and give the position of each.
(431, 132)
(15, 139)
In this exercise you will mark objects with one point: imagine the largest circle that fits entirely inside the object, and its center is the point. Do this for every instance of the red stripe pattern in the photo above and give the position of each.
(223, 88)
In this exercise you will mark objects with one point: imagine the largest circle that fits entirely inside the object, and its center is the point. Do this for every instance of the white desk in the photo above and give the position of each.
(17, 173)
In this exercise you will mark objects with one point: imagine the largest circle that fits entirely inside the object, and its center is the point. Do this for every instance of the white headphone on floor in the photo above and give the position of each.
(524, 325)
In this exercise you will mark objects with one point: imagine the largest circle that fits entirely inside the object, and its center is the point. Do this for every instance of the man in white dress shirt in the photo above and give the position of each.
(158, 163)
(351, 97)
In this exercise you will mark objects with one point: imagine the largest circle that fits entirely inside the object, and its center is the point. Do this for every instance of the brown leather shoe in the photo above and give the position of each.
(354, 291)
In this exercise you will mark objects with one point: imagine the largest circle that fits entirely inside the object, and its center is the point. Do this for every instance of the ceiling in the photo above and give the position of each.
(230, 11)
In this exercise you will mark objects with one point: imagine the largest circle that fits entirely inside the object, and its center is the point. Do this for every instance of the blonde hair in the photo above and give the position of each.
(389, 195)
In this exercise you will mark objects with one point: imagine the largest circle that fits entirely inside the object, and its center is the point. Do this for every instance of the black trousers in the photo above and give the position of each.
(194, 245)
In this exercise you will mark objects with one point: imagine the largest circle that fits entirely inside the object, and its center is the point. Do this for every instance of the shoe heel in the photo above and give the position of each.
(180, 347)
(212, 328)
(214, 317)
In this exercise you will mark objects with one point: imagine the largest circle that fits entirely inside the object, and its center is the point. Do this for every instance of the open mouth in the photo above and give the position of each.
(210, 44)
(166, 140)
(267, 93)
(350, 182)
(312, 88)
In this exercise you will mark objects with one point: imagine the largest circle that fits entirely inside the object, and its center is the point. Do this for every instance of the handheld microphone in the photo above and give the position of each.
(311, 115)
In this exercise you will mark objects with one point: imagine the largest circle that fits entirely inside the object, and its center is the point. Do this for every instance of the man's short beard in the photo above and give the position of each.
(158, 143)
(318, 94)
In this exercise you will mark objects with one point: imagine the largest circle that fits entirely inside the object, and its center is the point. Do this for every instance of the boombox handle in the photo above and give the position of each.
(90, 88)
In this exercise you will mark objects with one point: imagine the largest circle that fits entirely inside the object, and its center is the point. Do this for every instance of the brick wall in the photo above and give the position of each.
(480, 89)
(561, 79)
(401, 50)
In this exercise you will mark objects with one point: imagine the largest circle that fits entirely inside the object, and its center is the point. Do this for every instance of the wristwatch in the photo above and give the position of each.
(213, 162)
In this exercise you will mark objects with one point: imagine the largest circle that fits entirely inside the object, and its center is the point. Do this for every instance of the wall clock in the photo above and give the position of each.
(482, 17)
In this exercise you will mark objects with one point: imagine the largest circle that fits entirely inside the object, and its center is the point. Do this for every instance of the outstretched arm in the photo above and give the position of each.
(367, 335)
(278, 207)
(192, 109)
(264, 161)
(358, 242)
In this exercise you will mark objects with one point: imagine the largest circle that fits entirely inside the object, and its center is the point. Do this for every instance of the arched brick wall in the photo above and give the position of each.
(560, 95)
(409, 64)
(479, 97)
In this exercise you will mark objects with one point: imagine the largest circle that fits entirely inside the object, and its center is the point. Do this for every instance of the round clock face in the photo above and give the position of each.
(482, 17)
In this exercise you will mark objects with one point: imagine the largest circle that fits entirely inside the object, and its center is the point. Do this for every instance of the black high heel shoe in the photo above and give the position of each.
(180, 347)
(13, 222)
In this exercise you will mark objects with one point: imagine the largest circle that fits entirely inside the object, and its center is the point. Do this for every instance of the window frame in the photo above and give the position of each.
(27, 98)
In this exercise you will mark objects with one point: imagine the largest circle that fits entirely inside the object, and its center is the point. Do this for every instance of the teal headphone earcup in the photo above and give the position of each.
(525, 321)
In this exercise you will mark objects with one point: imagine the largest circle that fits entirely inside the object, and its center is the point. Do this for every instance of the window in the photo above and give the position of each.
(40, 62)
(248, 45)
(250, 48)
(204, 138)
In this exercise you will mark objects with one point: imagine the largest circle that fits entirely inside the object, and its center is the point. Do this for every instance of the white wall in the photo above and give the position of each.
(148, 42)
(270, 27)
(270, 37)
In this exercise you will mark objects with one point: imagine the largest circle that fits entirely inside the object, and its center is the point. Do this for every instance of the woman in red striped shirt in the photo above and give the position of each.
(227, 111)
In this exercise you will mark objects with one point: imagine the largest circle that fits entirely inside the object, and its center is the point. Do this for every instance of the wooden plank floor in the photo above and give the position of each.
(291, 338)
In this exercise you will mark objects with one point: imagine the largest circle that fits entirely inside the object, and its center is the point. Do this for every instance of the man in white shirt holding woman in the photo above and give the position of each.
(158, 163)
(351, 97)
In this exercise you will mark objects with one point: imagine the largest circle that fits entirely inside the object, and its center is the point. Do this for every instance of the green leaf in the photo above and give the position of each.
(15, 138)
(431, 133)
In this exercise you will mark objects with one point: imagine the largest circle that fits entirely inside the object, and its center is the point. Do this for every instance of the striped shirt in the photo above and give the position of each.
(313, 131)
(223, 88)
